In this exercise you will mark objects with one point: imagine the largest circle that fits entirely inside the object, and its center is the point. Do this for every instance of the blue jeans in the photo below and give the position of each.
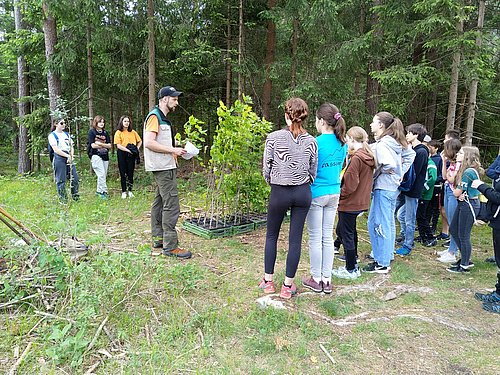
(320, 221)
(407, 217)
(450, 206)
(382, 226)
(63, 172)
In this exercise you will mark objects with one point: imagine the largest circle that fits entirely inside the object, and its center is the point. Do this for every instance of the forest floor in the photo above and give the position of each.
(122, 310)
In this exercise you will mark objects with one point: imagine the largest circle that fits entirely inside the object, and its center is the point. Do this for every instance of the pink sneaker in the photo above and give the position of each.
(327, 287)
(288, 291)
(309, 283)
(267, 286)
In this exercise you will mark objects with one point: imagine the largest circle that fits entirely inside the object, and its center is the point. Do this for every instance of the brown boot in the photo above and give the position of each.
(178, 252)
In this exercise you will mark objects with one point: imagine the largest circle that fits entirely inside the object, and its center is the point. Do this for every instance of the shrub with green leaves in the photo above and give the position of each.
(236, 185)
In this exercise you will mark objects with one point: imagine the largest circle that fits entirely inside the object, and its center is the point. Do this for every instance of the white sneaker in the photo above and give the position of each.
(130, 195)
(447, 258)
(124, 195)
(343, 273)
(442, 252)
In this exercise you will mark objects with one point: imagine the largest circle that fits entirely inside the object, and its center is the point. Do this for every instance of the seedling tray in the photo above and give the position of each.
(226, 227)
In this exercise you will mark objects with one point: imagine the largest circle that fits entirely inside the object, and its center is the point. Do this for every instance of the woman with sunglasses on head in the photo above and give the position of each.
(64, 168)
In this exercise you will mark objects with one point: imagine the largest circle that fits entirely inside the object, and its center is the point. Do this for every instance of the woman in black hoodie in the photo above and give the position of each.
(491, 301)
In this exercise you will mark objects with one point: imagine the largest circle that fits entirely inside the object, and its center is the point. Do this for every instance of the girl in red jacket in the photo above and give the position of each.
(354, 198)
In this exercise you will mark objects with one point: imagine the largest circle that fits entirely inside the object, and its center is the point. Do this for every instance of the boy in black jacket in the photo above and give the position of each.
(407, 214)
(491, 301)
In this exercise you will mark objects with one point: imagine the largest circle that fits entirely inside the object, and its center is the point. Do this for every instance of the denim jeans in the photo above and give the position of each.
(450, 206)
(100, 168)
(407, 217)
(320, 221)
(63, 172)
(381, 225)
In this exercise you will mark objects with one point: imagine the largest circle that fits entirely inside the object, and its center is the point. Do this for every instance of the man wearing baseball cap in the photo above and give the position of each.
(160, 157)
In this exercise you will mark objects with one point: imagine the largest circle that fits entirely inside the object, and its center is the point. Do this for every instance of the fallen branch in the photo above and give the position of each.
(187, 303)
(10, 303)
(327, 354)
(233, 270)
(97, 333)
(49, 315)
(14, 367)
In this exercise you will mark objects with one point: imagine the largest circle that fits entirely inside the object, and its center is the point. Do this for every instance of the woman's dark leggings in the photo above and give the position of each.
(126, 165)
(496, 249)
(461, 226)
(298, 200)
(348, 236)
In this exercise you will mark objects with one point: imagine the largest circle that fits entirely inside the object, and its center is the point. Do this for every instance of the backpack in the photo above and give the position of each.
(49, 147)
(408, 179)
(89, 150)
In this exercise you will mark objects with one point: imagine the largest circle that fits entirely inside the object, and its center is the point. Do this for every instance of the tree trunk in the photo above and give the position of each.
(295, 41)
(240, 51)
(268, 61)
(24, 162)
(452, 99)
(151, 56)
(473, 87)
(229, 68)
(372, 95)
(90, 75)
(50, 37)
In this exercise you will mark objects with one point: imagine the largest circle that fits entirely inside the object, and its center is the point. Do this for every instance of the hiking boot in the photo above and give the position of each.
(457, 269)
(430, 243)
(447, 258)
(327, 287)
(267, 286)
(490, 260)
(178, 252)
(124, 195)
(343, 273)
(470, 265)
(492, 307)
(288, 291)
(492, 297)
(311, 284)
(403, 251)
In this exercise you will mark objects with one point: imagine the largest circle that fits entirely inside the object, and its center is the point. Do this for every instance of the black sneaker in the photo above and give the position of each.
(442, 236)
(342, 258)
(492, 307)
(158, 244)
(457, 269)
(400, 240)
(457, 263)
(490, 260)
(430, 243)
(374, 267)
(492, 297)
(446, 243)
(336, 250)
(369, 257)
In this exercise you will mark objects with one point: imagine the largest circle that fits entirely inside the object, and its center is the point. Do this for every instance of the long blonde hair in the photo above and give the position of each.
(471, 160)
(358, 134)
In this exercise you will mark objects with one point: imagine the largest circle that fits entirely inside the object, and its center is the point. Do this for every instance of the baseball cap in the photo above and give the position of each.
(168, 91)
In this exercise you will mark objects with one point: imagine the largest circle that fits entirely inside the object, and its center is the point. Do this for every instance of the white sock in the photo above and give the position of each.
(326, 280)
(317, 279)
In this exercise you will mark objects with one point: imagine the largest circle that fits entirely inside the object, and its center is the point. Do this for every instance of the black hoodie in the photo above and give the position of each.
(493, 204)
(420, 168)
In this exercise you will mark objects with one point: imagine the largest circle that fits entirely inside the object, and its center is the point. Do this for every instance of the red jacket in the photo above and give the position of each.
(357, 183)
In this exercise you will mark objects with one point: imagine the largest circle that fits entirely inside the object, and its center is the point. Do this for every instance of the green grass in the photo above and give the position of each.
(200, 316)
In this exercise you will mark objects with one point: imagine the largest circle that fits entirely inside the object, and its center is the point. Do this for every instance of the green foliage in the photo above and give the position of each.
(67, 346)
(194, 132)
(235, 163)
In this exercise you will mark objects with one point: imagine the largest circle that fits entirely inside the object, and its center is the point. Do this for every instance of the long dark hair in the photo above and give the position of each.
(120, 123)
(392, 127)
(297, 111)
(331, 115)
